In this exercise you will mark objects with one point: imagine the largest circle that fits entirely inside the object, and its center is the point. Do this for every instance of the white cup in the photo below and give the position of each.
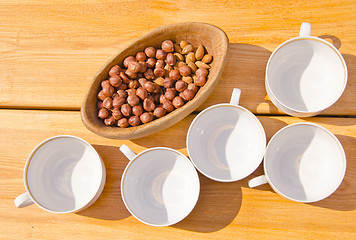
(303, 162)
(305, 75)
(226, 142)
(62, 174)
(159, 186)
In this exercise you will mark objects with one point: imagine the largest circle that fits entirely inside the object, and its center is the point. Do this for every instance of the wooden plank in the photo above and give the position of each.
(50, 50)
(224, 210)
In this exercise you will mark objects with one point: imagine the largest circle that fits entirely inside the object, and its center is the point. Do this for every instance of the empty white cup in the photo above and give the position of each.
(226, 142)
(62, 174)
(159, 186)
(304, 162)
(305, 75)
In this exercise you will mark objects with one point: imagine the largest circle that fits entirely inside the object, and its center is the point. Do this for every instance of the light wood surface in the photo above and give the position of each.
(49, 53)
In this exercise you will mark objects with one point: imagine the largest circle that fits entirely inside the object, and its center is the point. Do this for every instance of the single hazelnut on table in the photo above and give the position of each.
(168, 46)
(116, 113)
(178, 102)
(148, 105)
(115, 70)
(150, 52)
(151, 62)
(149, 74)
(181, 86)
(159, 112)
(123, 123)
(128, 60)
(184, 70)
(174, 74)
(161, 54)
(103, 113)
(137, 110)
(107, 103)
(126, 110)
(109, 121)
(146, 117)
(168, 106)
(115, 80)
(168, 82)
(141, 56)
(134, 121)
(159, 72)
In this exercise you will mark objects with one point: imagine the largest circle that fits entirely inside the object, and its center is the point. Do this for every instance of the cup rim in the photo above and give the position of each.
(93, 197)
(218, 106)
(312, 38)
(321, 128)
(125, 173)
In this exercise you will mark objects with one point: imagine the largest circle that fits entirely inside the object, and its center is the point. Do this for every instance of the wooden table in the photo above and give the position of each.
(49, 52)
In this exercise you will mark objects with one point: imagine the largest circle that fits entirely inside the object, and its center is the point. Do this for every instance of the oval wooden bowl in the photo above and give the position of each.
(214, 40)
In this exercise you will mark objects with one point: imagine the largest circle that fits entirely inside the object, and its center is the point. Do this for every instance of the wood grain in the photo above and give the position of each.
(50, 50)
(224, 210)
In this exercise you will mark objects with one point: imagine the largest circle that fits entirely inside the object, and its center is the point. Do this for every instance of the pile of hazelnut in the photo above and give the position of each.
(152, 83)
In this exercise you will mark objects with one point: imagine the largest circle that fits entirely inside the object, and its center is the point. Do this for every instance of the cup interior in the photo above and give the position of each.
(306, 74)
(160, 187)
(64, 174)
(226, 142)
(305, 162)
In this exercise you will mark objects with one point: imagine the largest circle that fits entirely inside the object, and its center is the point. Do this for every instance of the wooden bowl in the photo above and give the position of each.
(214, 40)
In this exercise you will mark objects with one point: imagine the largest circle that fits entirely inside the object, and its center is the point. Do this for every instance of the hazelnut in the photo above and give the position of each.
(162, 98)
(116, 113)
(159, 64)
(168, 46)
(124, 77)
(101, 95)
(151, 62)
(180, 86)
(184, 70)
(141, 93)
(109, 121)
(193, 87)
(168, 106)
(149, 74)
(133, 100)
(126, 110)
(115, 80)
(133, 84)
(134, 121)
(159, 112)
(131, 74)
(159, 81)
(150, 52)
(99, 105)
(159, 72)
(103, 113)
(115, 70)
(170, 94)
(141, 56)
(168, 82)
(178, 102)
(171, 59)
(148, 105)
(131, 91)
(187, 94)
(133, 67)
(150, 86)
(118, 102)
(105, 83)
(144, 67)
(128, 60)
(200, 81)
(107, 103)
(123, 123)
(122, 93)
(146, 117)
(123, 86)
(202, 72)
(137, 110)
(174, 74)
(142, 81)
(109, 91)
(161, 54)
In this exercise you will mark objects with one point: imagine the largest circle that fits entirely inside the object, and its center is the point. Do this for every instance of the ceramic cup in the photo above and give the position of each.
(305, 75)
(303, 162)
(159, 186)
(226, 142)
(62, 174)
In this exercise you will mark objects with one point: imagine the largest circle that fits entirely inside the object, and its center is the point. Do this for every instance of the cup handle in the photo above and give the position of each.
(257, 181)
(305, 30)
(235, 97)
(127, 152)
(23, 200)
